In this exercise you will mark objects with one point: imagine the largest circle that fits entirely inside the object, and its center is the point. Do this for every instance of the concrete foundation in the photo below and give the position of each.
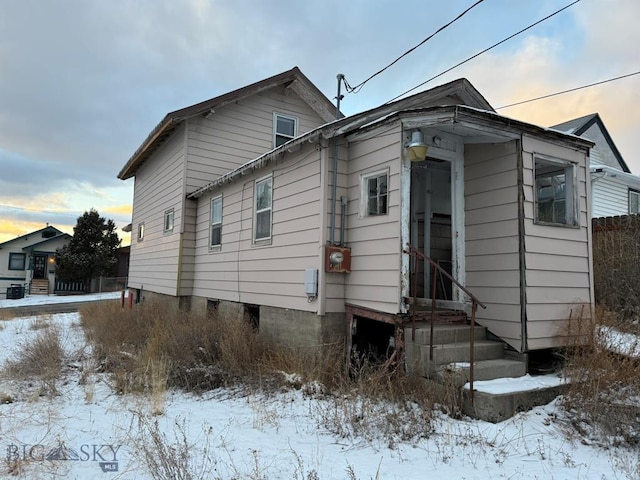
(302, 329)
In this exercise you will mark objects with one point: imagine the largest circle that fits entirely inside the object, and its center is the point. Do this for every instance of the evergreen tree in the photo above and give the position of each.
(91, 252)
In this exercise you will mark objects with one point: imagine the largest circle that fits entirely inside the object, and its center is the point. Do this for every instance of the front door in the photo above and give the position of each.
(430, 228)
(39, 266)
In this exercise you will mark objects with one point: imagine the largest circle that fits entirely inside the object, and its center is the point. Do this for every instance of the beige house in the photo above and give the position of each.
(29, 261)
(259, 200)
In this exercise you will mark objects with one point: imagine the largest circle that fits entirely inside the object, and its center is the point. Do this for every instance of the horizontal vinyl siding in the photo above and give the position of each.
(491, 236)
(240, 132)
(557, 258)
(609, 198)
(272, 274)
(159, 186)
(375, 241)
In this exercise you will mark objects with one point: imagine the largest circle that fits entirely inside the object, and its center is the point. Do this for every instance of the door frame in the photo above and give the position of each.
(44, 265)
(454, 154)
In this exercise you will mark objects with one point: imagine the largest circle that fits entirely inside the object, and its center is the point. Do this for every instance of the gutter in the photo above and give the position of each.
(627, 179)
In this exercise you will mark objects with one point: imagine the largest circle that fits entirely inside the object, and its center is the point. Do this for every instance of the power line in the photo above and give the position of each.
(358, 87)
(484, 51)
(569, 90)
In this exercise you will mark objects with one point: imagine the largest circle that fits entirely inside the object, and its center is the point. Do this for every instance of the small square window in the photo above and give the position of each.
(168, 221)
(375, 194)
(17, 261)
(634, 202)
(262, 204)
(141, 231)
(556, 192)
(215, 235)
(284, 128)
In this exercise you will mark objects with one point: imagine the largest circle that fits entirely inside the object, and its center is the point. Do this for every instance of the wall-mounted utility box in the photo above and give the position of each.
(337, 259)
(311, 282)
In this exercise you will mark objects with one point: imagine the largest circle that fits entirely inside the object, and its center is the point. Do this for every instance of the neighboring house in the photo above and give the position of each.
(615, 190)
(238, 203)
(29, 260)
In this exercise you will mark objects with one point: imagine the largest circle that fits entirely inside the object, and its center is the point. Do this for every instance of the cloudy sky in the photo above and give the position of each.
(82, 82)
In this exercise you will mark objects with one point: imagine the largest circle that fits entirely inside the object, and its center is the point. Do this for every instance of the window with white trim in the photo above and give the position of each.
(17, 261)
(634, 201)
(375, 194)
(141, 231)
(556, 192)
(284, 128)
(215, 230)
(168, 221)
(263, 195)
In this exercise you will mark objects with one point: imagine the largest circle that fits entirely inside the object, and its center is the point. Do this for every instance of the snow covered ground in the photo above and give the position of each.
(89, 432)
(47, 299)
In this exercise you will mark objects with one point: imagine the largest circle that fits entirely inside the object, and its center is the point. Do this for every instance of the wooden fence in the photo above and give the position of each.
(616, 263)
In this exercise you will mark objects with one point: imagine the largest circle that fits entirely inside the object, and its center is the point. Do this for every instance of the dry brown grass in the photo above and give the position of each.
(155, 345)
(39, 358)
(603, 397)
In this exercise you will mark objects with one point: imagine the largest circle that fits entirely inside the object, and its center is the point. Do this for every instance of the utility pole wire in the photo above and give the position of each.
(569, 90)
(483, 51)
(358, 87)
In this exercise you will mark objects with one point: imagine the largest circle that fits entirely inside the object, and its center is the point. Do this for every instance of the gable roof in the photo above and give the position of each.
(293, 78)
(48, 229)
(578, 126)
(424, 102)
(33, 246)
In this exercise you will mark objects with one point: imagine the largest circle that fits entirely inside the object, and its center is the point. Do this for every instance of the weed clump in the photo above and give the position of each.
(38, 358)
(603, 394)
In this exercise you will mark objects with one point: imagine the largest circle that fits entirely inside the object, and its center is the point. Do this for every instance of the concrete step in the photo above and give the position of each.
(445, 334)
(483, 370)
(417, 356)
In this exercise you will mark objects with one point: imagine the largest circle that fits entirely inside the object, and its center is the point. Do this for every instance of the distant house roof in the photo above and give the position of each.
(41, 245)
(46, 233)
(294, 78)
(578, 126)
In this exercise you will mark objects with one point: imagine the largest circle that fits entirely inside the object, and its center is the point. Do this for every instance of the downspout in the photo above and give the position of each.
(334, 189)
(522, 251)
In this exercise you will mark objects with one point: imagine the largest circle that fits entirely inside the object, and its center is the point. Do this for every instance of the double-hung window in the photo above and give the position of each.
(17, 261)
(634, 201)
(375, 194)
(169, 216)
(284, 128)
(556, 192)
(215, 232)
(263, 195)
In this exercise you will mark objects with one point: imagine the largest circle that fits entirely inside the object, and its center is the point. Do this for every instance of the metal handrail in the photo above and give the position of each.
(411, 250)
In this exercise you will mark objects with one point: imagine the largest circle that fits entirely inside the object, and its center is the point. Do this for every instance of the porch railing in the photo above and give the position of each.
(415, 253)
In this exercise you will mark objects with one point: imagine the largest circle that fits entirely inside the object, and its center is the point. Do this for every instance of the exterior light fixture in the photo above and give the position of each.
(417, 149)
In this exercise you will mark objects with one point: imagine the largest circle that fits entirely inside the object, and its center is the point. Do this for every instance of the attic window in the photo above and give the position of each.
(48, 234)
(284, 128)
(556, 192)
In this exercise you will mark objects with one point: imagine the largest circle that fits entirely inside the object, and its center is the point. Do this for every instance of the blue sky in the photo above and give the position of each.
(82, 82)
